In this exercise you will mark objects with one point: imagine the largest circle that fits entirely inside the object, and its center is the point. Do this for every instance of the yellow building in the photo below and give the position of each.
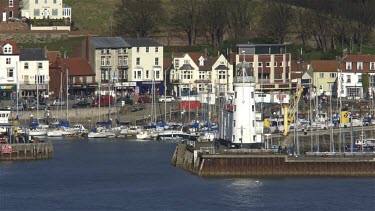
(324, 75)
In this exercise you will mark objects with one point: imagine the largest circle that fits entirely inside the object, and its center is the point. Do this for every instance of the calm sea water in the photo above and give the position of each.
(120, 174)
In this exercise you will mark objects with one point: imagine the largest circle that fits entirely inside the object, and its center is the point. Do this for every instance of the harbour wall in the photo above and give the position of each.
(29, 151)
(252, 164)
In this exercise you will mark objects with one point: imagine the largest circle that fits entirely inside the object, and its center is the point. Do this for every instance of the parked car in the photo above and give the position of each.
(58, 102)
(14, 107)
(42, 106)
(125, 100)
(81, 104)
(144, 99)
(104, 100)
(167, 99)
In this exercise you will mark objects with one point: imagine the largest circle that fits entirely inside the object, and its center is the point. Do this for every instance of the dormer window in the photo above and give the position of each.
(201, 61)
(7, 49)
(348, 65)
(359, 65)
(176, 63)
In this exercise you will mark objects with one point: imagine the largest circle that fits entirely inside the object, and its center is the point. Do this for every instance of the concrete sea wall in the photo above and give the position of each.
(30, 151)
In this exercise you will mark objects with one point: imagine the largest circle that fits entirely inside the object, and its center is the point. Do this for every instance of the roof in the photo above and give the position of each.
(109, 42)
(221, 67)
(208, 63)
(296, 67)
(142, 42)
(324, 65)
(78, 67)
(12, 43)
(186, 67)
(359, 58)
(32, 54)
(167, 63)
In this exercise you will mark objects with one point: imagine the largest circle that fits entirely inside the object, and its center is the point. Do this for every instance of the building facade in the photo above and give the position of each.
(271, 64)
(194, 73)
(9, 58)
(45, 9)
(9, 9)
(109, 60)
(81, 77)
(146, 66)
(324, 76)
(351, 71)
(33, 68)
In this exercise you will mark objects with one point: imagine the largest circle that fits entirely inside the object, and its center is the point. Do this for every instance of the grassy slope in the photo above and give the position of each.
(93, 15)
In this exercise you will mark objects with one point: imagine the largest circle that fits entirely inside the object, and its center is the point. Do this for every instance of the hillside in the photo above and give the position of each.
(93, 15)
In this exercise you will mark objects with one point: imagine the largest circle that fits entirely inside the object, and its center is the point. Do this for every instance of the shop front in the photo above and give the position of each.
(82, 89)
(30, 90)
(125, 88)
(8, 91)
(145, 87)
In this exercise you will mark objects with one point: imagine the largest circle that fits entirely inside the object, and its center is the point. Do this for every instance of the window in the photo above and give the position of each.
(36, 1)
(108, 61)
(331, 85)
(138, 61)
(235, 108)
(201, 75)
(359, 65)
(201, 87)
(26, 66)
(275, 64)
(222, 74)
(260, 64)
(10, 3)
(102, 60)
(157, 74)
(104, 74)
(10, 73)
(320, 87)
(40, 65)
(125, 62)
(147, 74)
(359, 78)
(187, 74)
(147, 49)
(332, 75)
(348, 65)
(88, 79)
(235, 95)
(176, 63)
(137, 49)
(321, 75)
(234, 123)
(252, 108)
(80, 78)
(186, 62)
(348, 79)
(268, 64)
(8, 60)
(55, 1)
(156, 49)
(281, 64)
(46, 1)
(156, 61)
(36, 12)
(278, 76)
(252, 94)
(55, 12)
(372, 66)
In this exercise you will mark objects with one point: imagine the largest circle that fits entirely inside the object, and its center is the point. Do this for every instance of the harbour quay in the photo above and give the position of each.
(26, 151)
(214, 160)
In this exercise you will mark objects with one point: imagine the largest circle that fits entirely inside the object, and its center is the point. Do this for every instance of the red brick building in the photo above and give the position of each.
(9, 9)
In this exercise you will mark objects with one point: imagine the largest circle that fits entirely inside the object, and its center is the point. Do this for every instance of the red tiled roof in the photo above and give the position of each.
(12, 43)
(359, 58)
(296, 67)
(167, 63)
(324, 65)
(78, 67)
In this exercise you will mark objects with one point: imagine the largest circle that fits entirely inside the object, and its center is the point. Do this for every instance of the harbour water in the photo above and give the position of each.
(119, 174)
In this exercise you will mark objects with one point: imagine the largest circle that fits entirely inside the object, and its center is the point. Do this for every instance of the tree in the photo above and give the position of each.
(186, 15)
(139, 18)
(239, 17)
(214, 15)
(365, 85)
(277, 17)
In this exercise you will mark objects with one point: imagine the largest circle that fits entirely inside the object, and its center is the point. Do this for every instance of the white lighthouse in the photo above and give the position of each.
(244, 119)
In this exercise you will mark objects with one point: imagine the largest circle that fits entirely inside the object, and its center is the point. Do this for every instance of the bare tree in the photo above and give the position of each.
(277, 18)
(214, 13)
(186, 15)
(139, 18)
(239, 17)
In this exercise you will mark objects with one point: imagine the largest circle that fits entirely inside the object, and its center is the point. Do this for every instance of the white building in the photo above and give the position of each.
(146, 65)
(33, 69)
(197, 73)
(9, 57)
(40, 9)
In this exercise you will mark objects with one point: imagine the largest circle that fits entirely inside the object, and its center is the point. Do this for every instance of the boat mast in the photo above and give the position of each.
(67, 94)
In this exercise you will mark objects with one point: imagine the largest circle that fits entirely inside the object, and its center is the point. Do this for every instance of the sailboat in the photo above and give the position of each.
(37, 129)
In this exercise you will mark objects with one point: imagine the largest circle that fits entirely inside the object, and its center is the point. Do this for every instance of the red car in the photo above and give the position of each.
(144, 99)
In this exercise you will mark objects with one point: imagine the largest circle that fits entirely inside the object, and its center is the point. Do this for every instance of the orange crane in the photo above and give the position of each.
(290, 110)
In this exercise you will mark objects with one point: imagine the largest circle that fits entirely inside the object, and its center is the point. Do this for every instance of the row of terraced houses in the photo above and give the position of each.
(137, 65)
